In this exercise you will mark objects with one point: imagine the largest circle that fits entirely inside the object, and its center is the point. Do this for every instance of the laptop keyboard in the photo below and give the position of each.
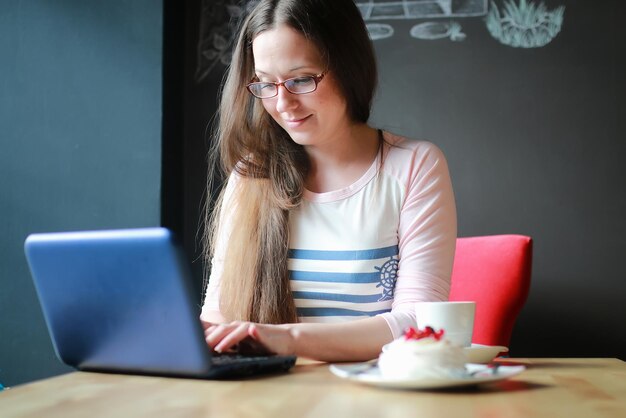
(228, 359)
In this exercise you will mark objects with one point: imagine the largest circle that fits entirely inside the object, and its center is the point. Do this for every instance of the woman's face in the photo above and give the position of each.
(311, 119)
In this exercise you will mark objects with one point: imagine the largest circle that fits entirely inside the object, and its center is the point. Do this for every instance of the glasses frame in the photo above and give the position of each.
(316, 78)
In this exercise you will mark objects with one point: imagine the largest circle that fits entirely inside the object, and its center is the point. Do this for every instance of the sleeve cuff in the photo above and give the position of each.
(399, 321)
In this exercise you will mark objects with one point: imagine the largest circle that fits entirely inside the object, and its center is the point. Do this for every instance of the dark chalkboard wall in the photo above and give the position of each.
(80, 143)
(534, 139)
(535, 143)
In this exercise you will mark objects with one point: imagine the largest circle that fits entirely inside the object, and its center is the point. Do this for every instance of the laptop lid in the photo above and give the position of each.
(119, 301)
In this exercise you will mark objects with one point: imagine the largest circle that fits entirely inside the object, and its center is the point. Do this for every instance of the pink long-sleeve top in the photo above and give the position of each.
(375, 247)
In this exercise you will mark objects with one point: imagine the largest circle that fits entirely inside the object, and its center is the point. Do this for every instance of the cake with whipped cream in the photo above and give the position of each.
(421, 354)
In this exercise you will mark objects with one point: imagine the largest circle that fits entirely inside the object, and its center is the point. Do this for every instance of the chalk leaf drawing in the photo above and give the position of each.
(219, 20)
(524, 25)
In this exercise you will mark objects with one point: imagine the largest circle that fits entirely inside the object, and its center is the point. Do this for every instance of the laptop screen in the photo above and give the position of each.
(119, 300)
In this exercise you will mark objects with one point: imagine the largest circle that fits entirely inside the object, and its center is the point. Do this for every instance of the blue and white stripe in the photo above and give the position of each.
(332, 286)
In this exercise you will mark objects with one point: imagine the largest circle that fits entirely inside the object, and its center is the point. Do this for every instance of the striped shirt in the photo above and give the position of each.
(375, 247)
(340, 285)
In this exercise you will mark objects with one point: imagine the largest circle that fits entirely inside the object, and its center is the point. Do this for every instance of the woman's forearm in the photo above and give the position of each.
(358, 340)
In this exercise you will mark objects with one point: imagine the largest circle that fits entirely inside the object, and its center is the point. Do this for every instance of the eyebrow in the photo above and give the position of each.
(298, 68)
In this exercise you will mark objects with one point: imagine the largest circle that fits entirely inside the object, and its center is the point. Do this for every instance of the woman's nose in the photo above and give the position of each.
(285, 100)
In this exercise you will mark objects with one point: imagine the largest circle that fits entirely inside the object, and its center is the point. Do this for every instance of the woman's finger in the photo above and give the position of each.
(215, 334)
(233, 337)
(206, 324)
(210, 329)
(254, 343)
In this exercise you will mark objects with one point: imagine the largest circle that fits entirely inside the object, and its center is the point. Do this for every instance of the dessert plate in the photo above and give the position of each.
(476, 374)
(477, 353)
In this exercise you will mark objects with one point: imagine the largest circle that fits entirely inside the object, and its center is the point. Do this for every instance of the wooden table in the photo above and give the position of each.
(548, 388)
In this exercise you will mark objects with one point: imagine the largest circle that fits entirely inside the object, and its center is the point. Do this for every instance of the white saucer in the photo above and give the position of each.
(477, 353)
(369, 374)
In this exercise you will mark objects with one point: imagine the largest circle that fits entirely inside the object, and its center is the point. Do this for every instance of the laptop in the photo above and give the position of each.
(121, 301)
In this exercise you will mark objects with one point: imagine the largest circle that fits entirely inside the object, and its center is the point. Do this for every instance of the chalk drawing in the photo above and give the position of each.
(438, 30)
(378, 31)
(524, 25)
(373, 10)
(420, 9)
(218, 25)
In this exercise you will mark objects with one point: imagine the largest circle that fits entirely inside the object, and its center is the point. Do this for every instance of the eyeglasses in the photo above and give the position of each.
(296, 85)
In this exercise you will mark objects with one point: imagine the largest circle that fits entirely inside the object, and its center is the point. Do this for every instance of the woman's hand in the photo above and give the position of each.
(358, 340)
(248, 337)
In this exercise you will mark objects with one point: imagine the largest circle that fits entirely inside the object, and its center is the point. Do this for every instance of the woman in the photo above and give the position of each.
(328, 230)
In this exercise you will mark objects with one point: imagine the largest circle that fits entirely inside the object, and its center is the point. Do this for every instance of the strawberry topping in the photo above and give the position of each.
(417, 334)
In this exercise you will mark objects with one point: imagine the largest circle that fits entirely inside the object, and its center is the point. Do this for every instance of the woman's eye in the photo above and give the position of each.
(301, 80)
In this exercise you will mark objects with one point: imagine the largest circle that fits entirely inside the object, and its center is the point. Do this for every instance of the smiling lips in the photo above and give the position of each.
(295, 123)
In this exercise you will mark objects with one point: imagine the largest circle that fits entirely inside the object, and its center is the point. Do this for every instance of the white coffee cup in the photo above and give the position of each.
(455, 318)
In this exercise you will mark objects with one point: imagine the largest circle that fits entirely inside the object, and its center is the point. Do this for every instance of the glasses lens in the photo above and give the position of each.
(262, 90)
(300, 85)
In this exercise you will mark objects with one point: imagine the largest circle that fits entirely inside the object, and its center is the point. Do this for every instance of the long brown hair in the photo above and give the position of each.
(270, 167)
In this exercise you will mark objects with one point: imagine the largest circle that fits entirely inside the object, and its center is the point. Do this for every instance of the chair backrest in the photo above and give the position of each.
(493, 271)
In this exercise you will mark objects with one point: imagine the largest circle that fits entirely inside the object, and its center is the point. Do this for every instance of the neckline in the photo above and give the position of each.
(339, 194)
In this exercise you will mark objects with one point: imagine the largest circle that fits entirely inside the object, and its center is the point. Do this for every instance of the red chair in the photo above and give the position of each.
(493, 271)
